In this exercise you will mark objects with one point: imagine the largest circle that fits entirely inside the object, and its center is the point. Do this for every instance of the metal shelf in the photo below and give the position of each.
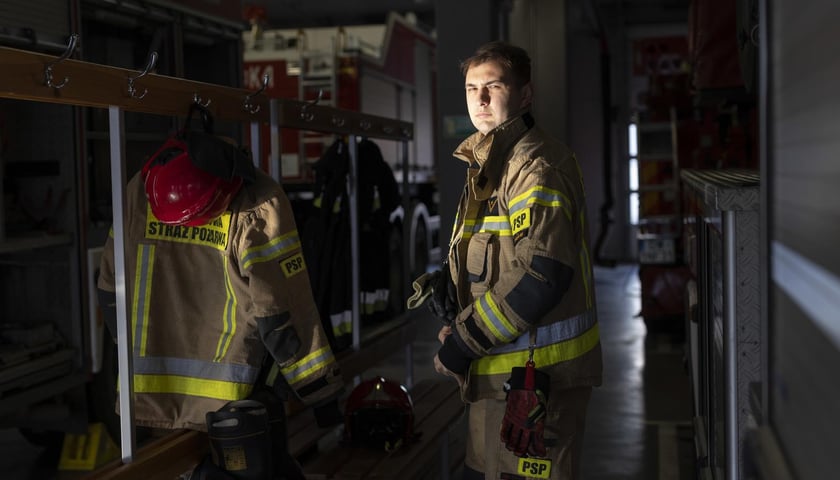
(38, 379)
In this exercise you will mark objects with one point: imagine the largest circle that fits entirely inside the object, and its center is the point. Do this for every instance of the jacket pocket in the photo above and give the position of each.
(481, 263)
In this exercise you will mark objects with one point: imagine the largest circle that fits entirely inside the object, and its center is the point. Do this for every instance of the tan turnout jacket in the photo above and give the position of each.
(206, 304)
(519, 254)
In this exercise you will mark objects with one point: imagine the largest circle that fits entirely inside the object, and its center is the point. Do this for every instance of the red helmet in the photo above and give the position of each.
(379, 414)
(180, 193)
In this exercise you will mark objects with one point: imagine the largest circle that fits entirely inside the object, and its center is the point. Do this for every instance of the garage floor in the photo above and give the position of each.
(639, 422)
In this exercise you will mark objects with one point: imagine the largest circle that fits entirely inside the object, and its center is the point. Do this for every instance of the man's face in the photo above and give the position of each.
(492, 96)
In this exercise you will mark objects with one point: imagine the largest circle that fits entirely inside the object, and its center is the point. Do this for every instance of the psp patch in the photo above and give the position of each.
(520, 221)
(534, 467)
(293, 265)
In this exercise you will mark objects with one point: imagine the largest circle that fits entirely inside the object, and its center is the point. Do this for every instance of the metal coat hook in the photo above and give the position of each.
(338, 121)
(304, 113)
(255, 108)
(48, 75)
(197, 100)
(132, 92)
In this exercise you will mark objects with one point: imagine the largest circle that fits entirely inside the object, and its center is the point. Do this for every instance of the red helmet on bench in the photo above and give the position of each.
(379, 414)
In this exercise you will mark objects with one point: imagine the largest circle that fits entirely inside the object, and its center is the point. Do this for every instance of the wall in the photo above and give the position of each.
(456, 40)
(801, 174)
(536, 25)
(586, 122)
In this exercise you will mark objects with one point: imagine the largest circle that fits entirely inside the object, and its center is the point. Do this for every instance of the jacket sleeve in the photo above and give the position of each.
(545, 230)
(271, 258)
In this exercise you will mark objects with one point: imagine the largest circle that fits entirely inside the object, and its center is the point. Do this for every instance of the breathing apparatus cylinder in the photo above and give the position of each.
(240, 440)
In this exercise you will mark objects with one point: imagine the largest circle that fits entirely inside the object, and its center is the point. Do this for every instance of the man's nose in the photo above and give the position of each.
(484, 96)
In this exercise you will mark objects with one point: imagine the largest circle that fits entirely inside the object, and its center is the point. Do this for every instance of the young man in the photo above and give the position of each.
(518, 294)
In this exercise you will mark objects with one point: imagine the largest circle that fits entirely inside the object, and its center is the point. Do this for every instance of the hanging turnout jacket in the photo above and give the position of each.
(326, 242)
(326, 236)
(206, 304)
(519, 254)
(378, 196)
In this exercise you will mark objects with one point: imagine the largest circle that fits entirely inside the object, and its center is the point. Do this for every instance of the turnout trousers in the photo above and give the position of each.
(487, 458)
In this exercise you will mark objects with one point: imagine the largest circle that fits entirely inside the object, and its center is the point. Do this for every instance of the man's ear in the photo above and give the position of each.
(527, 95)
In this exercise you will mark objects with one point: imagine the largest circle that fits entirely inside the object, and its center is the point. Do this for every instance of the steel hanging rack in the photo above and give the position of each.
(29, 76)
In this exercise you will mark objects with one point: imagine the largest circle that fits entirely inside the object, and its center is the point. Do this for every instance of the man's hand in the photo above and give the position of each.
(444, 332)
(439, 368)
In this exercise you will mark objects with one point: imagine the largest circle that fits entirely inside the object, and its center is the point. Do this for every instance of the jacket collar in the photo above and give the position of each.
(489, 153)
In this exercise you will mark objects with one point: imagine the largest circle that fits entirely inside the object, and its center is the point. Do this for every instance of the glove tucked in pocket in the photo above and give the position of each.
(444, 304)
(523, 425)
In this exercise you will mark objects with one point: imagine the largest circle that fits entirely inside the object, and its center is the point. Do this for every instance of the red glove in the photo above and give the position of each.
(524, 420)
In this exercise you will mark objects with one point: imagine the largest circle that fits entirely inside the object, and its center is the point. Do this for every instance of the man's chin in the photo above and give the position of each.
(484, 126)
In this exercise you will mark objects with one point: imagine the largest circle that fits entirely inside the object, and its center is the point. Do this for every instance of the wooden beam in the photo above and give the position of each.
(94, 85)
(320, 118)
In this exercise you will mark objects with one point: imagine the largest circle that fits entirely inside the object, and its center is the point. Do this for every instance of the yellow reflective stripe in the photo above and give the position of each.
(343, 328)
(539, 195)
(308, 365)
(276, 248)
(497, 224)
(500, 225)
(142, 296)
(197, 387)
(495, 320)
(342, 322)
(543, 356)
(228, 317)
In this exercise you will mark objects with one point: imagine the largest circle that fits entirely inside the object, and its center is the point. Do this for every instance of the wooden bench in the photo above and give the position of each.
(437, 408)
(164, 458)
(377, 345)
(438, 450)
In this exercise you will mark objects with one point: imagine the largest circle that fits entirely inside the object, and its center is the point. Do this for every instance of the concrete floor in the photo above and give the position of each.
(639, 421)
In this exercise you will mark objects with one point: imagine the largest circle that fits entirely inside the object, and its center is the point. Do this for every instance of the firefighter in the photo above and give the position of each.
(517, 292)
(219, 300)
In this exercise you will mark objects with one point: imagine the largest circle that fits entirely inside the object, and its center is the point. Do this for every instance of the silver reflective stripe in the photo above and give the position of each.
(323, 357)
(271, 250)
(195, 369)
(495, 226)
(494, 319)
(550, 334)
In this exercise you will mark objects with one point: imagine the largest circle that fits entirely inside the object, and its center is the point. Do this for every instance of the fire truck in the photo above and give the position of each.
(383, 69)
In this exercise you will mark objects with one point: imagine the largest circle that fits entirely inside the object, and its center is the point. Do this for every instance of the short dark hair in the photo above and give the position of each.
(511, 58)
